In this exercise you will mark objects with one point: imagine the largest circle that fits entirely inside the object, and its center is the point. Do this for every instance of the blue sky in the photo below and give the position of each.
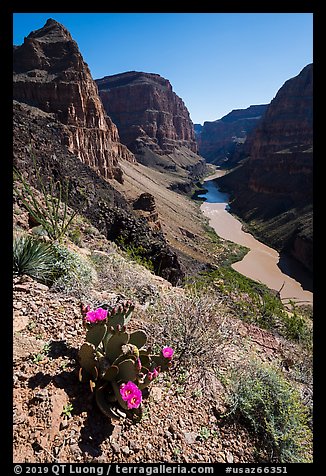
(215, 62)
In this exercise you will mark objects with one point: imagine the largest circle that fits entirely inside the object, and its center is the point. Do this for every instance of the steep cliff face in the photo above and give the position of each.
(219, 141)
(147, 112)
(49, 73)
(89, 193)
(272, 190)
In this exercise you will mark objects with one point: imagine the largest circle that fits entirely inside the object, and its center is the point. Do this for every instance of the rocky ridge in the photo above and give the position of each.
(50, 73)
(219, 141)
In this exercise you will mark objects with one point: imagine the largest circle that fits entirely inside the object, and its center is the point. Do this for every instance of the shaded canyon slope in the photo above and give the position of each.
(153, 122)
(58, 119)
(221, 142)
(272, 189)
(50, 74)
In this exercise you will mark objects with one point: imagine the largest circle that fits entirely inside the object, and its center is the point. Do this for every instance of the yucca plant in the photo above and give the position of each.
(34, 258)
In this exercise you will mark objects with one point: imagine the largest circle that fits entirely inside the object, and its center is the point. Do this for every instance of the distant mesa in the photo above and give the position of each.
(220, 141)
(147, 112)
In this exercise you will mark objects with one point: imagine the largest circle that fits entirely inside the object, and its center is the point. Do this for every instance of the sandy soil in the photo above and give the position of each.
(180, 218)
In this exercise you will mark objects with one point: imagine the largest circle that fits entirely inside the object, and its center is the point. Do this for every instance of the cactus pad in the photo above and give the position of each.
(114, 344)
(88, 359)
(138, 338)
(127, 371)
(95, 334)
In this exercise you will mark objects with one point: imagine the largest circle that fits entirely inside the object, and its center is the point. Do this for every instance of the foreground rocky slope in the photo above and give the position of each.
(273, 189)
(50, 73)
(185, 414)
(219, 141)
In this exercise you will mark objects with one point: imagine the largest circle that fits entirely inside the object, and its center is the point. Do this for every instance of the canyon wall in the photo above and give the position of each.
(272, 190)
(50, 73)
(221, 141)
(147, 112)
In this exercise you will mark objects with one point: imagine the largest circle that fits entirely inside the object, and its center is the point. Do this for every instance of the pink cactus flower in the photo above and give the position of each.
(167, 352)
(131, 394)
(135, 400)
(97, 315)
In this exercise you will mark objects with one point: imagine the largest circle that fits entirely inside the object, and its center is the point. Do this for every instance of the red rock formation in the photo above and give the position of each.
(49, 73)
(274, 186)
(147, 112)
(219, 140)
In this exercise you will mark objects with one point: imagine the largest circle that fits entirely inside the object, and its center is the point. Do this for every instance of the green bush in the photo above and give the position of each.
(273, 409)
(34, 258)
(136, 253)
(296, 327)
(72, 272)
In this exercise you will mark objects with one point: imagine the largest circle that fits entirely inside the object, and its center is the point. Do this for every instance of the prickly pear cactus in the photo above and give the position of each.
(116, 363)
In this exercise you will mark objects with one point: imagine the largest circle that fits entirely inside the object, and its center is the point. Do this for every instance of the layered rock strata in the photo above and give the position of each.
(219, 141)
(147, 112)
(50, 73)
(273, 190)
(40, 135)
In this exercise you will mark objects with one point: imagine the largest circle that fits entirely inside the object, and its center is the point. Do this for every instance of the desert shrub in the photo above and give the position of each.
(273, 409)
(73, 274)
(34, 258)
(120, 275)
(198, 330)
(251, 301)
(75, 235)
(136, 253)
(297, 327)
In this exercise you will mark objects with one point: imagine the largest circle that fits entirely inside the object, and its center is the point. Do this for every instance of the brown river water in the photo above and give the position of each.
(261, 262)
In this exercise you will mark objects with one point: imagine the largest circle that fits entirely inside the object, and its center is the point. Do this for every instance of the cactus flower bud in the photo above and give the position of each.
(155, 373)
(138, 364)
(84, 309)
